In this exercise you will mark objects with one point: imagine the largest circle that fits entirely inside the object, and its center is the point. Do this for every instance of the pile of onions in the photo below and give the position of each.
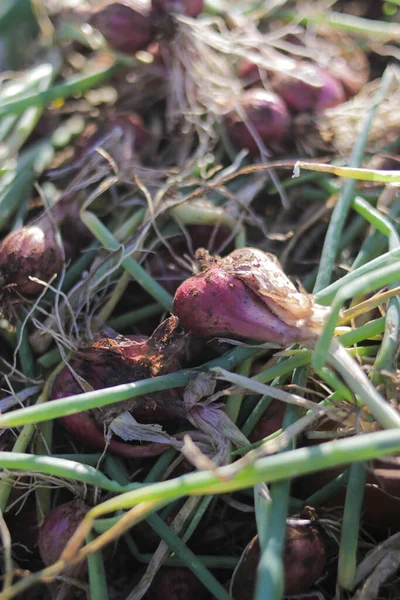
(305, 89)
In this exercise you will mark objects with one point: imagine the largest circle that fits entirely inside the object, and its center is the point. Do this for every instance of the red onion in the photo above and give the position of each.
(191, 8)
(109, 362)
(177, 583)
(58, 528)
(125, 29)
(30, 251)
(310, 89)
(246, 295)
(267, 114)
(55, 533)
(304, 561)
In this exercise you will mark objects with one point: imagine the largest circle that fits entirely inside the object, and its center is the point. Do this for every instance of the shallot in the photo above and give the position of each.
(30, 252)
(308, 88)
(304, 560)
(246, 295)
(125, 29)
(259, 112)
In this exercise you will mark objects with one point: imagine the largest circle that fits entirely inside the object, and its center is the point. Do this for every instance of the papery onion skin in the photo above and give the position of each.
(268, 115)
(58, 528)
(125, 29)
(30, 251)
(124, 359)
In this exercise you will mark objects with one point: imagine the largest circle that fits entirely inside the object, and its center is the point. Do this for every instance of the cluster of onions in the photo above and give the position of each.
(271, 114)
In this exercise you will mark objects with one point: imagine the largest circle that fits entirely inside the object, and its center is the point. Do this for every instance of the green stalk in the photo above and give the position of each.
(320, 497)
(362, 285)
(178, 546)
(236, 476)
(89, 400)
(375, 30)
(270, 573)
(97, 574)
(360, 385)
(135, 316)
(234, 402)
(351, 525)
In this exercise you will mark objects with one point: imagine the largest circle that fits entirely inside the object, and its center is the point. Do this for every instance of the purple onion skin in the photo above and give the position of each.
(125, 29)
(352, 72)
(58, 528)
(268, 115)
(304, 560)
(215, 303)
(29, 251)
(302, 96)
(190, 8)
